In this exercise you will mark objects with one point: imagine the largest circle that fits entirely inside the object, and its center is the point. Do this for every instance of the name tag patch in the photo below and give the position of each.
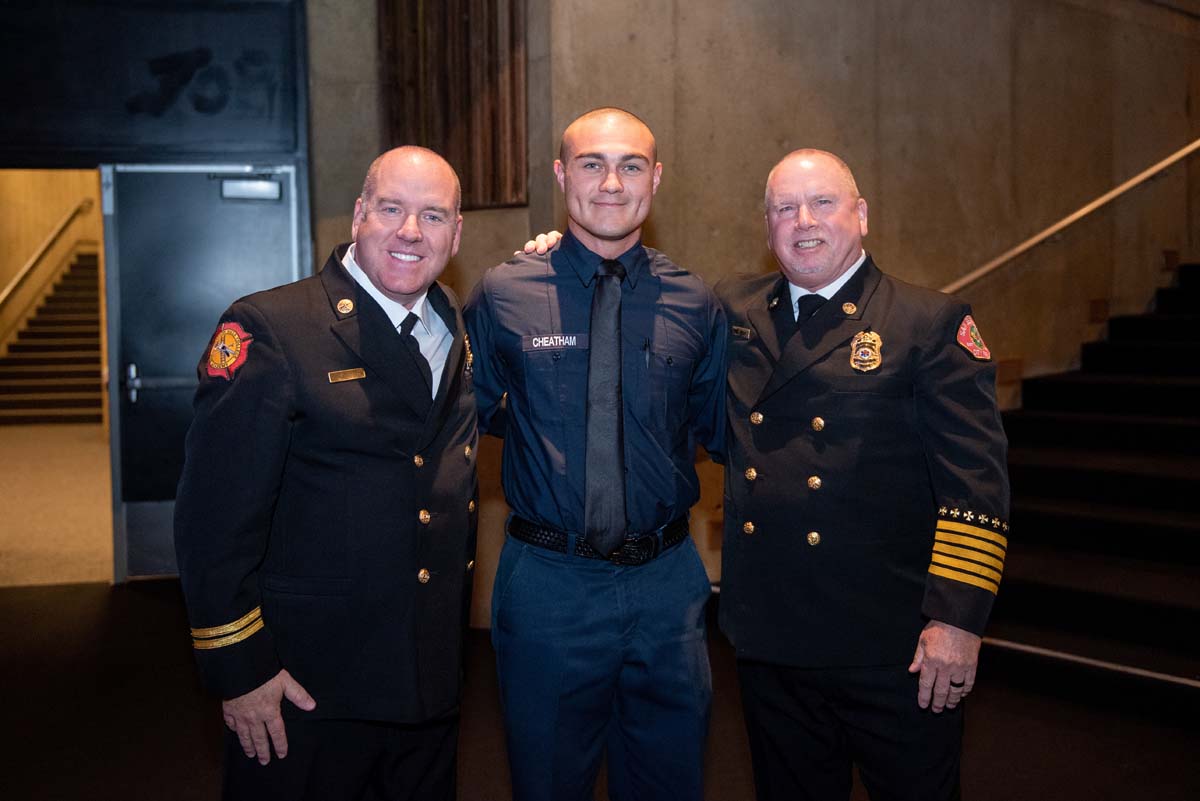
(554, 342)
(354, 374)
(741, 332)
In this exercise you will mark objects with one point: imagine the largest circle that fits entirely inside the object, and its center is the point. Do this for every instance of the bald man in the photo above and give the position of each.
(612, 362)
(325, 521)
(866, 511)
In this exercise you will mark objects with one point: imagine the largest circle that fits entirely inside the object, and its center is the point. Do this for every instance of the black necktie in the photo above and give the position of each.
(414, 348)
(604, 494)
(807, 306)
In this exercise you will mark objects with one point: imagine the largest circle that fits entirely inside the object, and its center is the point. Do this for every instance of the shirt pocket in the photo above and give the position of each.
(670, 376)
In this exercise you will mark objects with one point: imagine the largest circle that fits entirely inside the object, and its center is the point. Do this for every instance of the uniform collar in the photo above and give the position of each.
(396, 311)
(571, 252)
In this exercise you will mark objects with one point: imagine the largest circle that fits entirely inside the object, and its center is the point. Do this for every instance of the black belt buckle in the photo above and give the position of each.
(637, 551)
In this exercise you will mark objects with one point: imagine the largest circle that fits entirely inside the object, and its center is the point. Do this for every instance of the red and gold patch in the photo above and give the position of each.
(971, 340)
(229, 350)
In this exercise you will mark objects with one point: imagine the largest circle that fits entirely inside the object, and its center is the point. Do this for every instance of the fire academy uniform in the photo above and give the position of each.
(325, 521)
(866, 483)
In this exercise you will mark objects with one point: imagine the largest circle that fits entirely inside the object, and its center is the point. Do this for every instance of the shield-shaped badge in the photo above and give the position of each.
(865, 351)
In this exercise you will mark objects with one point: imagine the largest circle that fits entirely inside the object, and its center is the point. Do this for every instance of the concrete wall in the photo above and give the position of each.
(970, 126)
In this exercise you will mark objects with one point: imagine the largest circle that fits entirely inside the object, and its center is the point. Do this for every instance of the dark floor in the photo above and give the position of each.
(100, 701)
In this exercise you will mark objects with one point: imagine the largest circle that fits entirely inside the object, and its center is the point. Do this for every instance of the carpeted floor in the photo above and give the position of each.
(56, 505)
(101, 702)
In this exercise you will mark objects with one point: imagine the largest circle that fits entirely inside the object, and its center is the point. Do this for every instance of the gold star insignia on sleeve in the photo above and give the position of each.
(969, 516)
(955, 513)
(1004, 526)
(942, 511)
(983, 520)
(995, 522)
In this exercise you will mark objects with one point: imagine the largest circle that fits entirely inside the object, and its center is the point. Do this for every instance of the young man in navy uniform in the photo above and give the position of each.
(611, 360)
(325, 521)
(866, 510)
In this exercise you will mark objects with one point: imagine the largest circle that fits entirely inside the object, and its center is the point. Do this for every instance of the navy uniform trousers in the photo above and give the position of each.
(593, 641)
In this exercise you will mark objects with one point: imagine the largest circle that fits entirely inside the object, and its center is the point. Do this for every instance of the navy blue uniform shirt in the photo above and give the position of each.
(528, 321)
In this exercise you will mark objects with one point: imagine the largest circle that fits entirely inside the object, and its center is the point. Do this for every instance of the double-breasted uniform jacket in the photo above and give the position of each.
(325, 521)
(866, 486)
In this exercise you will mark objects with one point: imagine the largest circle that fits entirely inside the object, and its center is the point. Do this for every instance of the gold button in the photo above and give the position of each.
(751, 474)
(748, 527)
(814, 482)
(419, 460)
(424, 516)
(814, 538)
(471, 565)
(345, 305)
(423, 576)
(756, 418)
(849, 308)
(818, 424)
(467, 451)
(471, 506)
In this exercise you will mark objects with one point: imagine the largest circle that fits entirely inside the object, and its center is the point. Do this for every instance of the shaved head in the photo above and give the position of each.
(413, 154)
(605, 115)
(809, 154)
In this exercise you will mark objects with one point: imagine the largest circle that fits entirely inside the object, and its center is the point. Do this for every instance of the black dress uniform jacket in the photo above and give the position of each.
(861, 501)
(325, 521)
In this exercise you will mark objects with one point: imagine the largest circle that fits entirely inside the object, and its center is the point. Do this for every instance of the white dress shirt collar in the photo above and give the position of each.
(829, 291)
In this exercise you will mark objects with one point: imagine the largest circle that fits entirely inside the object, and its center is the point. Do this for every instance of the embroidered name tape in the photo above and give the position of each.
(741, 332)
(554, 342)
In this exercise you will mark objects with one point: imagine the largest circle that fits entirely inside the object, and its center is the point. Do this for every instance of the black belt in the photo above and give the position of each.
(637, 549)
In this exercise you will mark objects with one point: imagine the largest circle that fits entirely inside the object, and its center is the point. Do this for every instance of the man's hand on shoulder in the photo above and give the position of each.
(256, 719)
(541, 244)
(946, 657)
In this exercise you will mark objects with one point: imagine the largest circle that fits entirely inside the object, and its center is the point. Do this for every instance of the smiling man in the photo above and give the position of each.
(325, 521)
(612, 361)
(866, 510)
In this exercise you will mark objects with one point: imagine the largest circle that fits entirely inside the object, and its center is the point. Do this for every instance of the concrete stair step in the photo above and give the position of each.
(1140, 358)
(1113, 394)
(59, 320)
(1167, 329)
(27, 372)
(59, 332)
(1095, 431)
(32, 386)
(51, 359)
(53, 346)
(65, 400)
(23, 417)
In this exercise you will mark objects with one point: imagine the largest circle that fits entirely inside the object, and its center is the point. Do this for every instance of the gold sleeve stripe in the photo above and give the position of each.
(221, 642)
(966, 553)
(965, 578)
(970, 542)
(974, 531)
(969, 567)
(229, 628)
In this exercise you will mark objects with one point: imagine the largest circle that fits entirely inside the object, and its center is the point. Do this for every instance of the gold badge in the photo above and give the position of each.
(345, 305)
(469, 362)
(849, 308)
(865, 351)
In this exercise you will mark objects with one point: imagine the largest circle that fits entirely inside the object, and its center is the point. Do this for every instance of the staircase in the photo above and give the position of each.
(51, 372)
(1104, 563)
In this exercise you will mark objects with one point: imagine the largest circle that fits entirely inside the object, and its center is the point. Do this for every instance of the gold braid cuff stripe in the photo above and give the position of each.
(229, 628)
(967, 553)
(221, 642)
(965, 578)
(969, 542)
(974, 531)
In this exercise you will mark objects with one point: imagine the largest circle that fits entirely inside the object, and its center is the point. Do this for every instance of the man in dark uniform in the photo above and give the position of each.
(612, 360)
(325, 521)
(866, 508)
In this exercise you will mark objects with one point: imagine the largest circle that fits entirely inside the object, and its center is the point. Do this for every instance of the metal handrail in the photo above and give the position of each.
(1074, 217)
(82, 207)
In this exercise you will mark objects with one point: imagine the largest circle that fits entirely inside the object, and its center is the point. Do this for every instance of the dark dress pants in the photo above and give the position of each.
(593, 655)
(349, 760)
(808, 727)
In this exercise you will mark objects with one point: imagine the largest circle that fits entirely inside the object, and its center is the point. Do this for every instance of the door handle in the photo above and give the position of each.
(133, 382)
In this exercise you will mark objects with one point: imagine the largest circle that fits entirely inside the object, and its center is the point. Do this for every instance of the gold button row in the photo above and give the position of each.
(419, 460)
(813, 537)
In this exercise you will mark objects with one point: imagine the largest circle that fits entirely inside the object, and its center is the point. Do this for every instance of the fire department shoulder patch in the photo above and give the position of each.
(229, 350)
(971, 340)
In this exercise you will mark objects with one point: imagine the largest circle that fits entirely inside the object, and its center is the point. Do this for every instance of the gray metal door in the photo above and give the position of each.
(181, 243)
